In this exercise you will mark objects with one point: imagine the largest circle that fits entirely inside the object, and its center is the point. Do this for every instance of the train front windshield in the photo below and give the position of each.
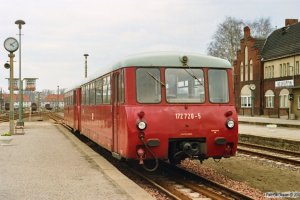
(183, 85)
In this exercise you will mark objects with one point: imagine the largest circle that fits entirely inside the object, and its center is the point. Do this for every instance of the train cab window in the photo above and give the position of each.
(148, 85)
(218, 86)
(184, 85)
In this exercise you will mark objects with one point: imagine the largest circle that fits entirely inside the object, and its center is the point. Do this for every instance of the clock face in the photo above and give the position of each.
(252, 87)
(11, 44)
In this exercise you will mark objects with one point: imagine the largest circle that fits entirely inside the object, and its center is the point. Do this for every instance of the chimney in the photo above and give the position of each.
(289, 22)
(246, 32)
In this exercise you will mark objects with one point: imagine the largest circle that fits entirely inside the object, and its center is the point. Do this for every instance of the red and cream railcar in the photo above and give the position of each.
(159, 106)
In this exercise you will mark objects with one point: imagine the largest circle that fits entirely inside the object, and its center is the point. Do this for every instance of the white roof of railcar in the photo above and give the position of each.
(172, 59)
(167, 59)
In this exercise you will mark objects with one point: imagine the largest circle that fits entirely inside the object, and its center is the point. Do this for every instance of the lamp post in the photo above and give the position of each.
(20, 122)
(85, 55)
(57, 107)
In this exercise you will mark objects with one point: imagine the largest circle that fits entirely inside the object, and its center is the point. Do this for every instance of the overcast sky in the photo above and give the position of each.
(58, 32)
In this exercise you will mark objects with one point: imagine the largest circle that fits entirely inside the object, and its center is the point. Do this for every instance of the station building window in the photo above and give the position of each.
(283, 97)
(297, 70)
(269, 99)
(242, 71)
(246, 63)
(246, 97)
(266, 72)
(251, 70)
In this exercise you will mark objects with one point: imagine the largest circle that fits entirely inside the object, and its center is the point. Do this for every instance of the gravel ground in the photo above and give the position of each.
(252, 176)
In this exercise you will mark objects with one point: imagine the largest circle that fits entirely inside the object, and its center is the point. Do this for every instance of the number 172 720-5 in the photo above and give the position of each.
(187, 116)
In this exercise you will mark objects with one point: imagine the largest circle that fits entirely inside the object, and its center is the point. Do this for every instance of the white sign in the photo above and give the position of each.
(285, 83)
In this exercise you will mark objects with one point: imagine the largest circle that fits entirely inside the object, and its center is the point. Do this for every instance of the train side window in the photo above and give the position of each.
(106, 90)
(98, 87)
(74, 97)
(92, 93)
(87, 95)
(83, 95)
(218, 86)
(65, 100)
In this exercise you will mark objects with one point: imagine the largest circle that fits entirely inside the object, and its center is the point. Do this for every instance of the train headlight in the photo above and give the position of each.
(141, 125)
(230, 123)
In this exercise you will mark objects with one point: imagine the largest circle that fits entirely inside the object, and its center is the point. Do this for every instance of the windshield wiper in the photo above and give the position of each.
(155, 78)
(193, 75)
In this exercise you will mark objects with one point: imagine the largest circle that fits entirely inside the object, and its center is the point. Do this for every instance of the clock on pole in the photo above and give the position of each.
(11, 44)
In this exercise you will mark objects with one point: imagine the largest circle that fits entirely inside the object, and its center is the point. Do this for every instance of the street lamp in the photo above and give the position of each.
(20, 122)
(57, 107)
(85, 55)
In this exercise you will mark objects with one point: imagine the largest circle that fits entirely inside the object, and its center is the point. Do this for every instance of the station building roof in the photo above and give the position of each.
(282, 42)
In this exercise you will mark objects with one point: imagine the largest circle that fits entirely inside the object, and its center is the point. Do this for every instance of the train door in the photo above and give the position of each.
(115, 112)
(118, 99)
(78, 110)
(74, 124)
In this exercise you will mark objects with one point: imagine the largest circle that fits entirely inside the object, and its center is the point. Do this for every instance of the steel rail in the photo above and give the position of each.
(270, 157)
(270, 149)
(231, 194)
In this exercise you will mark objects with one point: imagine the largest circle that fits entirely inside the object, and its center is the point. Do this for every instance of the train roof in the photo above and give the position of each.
(157, 59)
(171, 59)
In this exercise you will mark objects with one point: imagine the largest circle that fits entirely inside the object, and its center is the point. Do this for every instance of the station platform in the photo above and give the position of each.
(257, 120)
(48, 162)
(281, 133)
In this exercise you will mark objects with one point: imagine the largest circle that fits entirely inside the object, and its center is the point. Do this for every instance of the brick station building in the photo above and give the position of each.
(267, 74)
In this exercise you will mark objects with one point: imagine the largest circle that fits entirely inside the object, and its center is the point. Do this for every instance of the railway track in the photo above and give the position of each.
(56, 117)
(181, 184)
(5, 118)
(178, 183)
(279, 155)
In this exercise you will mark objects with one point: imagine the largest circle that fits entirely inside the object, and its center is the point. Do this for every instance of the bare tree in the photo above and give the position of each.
(261, 27)
(226, 41)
